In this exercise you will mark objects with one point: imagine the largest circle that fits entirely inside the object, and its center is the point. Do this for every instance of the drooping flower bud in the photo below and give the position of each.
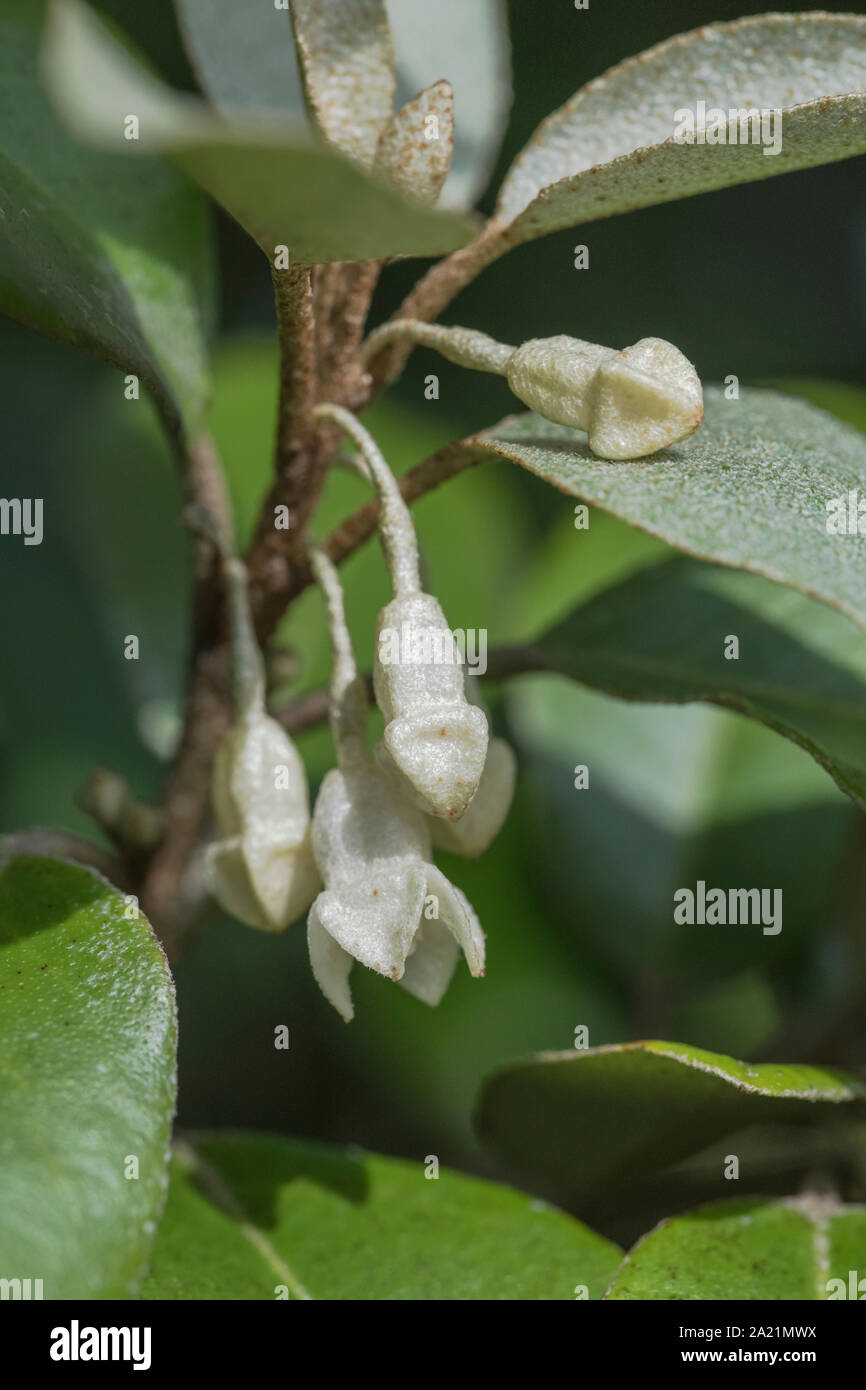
(630, 403)
(434, 736)
(261, 866)
(384, 904)
(436, 739)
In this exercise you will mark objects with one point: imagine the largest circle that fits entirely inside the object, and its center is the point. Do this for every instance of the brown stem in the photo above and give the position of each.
(345, 303)
(162, 887)
(299, 453)
(435, 291)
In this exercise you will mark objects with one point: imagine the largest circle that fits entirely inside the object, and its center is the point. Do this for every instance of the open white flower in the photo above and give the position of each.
(261, 866)
(385, 903)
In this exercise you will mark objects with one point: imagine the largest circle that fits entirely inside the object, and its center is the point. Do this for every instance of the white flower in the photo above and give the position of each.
(261, 867)
(385, 903)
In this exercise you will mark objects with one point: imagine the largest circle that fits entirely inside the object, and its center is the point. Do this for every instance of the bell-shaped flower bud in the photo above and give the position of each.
(435, 738)
(261, 867)
(385, 903)
(630, 403)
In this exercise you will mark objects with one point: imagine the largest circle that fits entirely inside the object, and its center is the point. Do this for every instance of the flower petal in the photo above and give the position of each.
(376, 918)
(431, 962)
(331, 965)
(476, 830)
(229, 882)
(455, 911)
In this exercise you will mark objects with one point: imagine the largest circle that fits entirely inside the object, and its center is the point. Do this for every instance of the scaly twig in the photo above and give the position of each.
(208, 709)
(301, 454)
(434, 292)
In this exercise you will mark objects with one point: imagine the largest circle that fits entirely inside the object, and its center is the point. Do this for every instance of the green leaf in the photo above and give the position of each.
(680, 795)
(347, 65)
(282, 186)
(87, 1041)
(111, 258)
(840, 398)
(612, 147)
(249, 1214)
(662, 635)
(580, 1123)
(781, 1250)
(751, 489)
(248, 60)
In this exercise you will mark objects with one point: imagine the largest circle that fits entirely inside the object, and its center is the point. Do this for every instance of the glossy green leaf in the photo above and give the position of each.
(283, 186)
(801, 1248)
(612, 147)
(663, 635)
(752, 489)
(87, 1065)
(112, 258)
(255, 1217)
(584, 1122)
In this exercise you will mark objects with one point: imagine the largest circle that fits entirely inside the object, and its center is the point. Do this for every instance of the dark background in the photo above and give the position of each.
(765, 281)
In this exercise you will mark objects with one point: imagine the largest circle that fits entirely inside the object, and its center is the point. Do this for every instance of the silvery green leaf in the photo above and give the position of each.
(468, 45)
(347, 68)
(283, 185)
(415, 148)
(243, 57)
(754, 488)
(611, 148)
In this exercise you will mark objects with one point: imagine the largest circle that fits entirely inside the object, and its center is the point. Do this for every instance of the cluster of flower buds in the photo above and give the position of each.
(385, 903)
(436, 777)
(630, 403)
(260, 868)
(436, 769)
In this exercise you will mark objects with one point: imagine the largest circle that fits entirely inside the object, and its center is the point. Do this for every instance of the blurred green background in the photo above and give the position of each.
(767, 282)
